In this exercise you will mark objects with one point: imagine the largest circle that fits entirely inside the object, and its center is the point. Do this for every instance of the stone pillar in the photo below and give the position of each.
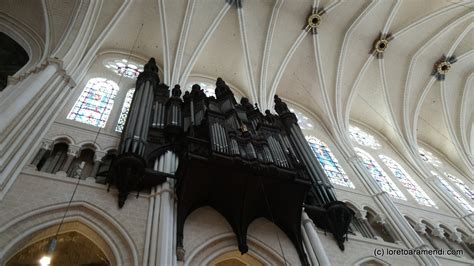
(45, 147)
(362, 216)
(72, 152)
(315, 242)
(421, 229)
(380, 219)
(160, 245)
(97, 162)
(27, 113)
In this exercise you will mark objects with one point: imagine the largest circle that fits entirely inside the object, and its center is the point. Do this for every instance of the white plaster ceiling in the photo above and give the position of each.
(262, 49)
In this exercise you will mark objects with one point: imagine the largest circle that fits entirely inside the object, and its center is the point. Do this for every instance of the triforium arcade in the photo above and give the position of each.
(229, 156)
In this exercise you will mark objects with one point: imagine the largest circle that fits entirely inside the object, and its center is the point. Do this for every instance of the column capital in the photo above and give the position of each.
(456, 236)
(73, 150)
(439, 232)
(361, 214)
(46, 144)
(420, 228)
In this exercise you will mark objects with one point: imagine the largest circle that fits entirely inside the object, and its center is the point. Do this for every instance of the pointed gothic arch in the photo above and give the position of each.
(221, 239)
(116, 242)
(371, 261)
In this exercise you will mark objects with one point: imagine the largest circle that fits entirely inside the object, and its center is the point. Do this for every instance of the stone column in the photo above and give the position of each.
(160, 245)
(380, 219)
(315, 242)
(421, 229)
(45, 147)
(27, 115)
(97, 162)
(361, 215)
(72, 152)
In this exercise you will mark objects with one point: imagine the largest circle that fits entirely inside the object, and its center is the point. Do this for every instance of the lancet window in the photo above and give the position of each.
(454, 194)
(385, 183)
(329, 163)
(461, 185)
(407, 181)
(95, 102)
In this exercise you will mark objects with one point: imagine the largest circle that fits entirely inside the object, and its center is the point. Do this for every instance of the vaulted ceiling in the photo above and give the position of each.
(264, 47)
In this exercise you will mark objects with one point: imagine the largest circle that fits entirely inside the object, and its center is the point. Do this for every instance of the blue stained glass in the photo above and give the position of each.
(125, 108)
(463, 187)
(385, 183)
(454, 194)
(95, 102)
(329, 163)
(413, 188)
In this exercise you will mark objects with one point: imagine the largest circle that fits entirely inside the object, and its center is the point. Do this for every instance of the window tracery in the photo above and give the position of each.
(453, 193)
(123, 67)
(385, 183)
(95, 102)
(407, 181)
(329, 163)
(363, 138)
(125, 108)
(461, 185)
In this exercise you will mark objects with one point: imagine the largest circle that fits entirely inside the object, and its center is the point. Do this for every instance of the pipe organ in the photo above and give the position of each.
(244, 163)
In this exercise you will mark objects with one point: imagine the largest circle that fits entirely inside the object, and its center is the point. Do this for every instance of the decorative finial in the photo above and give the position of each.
(176, 92)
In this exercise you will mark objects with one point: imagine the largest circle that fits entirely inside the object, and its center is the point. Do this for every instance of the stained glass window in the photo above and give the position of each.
(385, 183)
(208, 88)
(460, 184)
(303, 121)
(95, 103)
(363, 138)
(124, 68)
(125, 108)
(429, 157)
(413, 188)
(329, 163)
(454, 194)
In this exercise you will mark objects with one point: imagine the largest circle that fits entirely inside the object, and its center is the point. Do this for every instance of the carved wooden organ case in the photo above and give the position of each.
(241, 162)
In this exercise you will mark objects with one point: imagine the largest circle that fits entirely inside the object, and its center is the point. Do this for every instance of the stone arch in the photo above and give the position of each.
(25, 37)
(221, 244)
(217, 238)
(89, 145)
(70, 227)
(352, 205)
(121, 249)
(64, 139)
(372, 261)
(411, 219)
